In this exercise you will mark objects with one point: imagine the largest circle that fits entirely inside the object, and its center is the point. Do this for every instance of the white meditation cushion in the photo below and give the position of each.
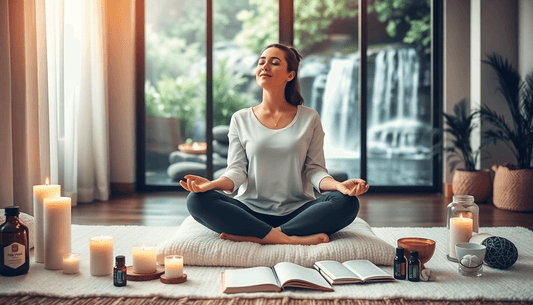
(26, 220)
(200, 246)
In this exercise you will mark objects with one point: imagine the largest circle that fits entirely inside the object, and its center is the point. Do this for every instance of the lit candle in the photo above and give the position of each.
(460, 232)
(71, 263)
(173, 266)
(56, 231)
(39, 193)
(101, 255)
(144, 257)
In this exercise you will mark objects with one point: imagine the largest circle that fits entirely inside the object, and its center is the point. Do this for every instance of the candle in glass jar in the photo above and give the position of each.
(173, 266)
(56, 231)
(71, 263)
(40, 192)
(144, 258)
(101, 255)
(460, 232)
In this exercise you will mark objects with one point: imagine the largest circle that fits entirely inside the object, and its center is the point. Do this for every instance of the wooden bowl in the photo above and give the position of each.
(424, 246)
(193, 148)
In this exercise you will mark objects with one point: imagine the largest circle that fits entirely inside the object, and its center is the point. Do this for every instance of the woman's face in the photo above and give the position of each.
(272, 70)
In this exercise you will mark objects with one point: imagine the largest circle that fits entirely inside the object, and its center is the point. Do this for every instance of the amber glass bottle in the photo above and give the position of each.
(14, 245)
(120, 272)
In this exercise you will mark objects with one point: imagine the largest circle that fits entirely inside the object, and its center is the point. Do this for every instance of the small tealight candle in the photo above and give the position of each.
(71, 263)
(173, 266)
(144, 258)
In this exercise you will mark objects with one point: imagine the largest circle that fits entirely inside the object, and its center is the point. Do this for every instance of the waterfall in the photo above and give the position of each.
(339, 109)
(394, 123)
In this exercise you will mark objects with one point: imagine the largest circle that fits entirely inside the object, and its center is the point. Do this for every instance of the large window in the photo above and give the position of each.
(399, 101)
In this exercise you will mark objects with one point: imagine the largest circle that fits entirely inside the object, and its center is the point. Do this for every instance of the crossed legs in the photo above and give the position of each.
(308, 225)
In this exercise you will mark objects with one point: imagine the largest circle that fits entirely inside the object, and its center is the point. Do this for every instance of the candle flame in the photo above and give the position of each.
(47, 181)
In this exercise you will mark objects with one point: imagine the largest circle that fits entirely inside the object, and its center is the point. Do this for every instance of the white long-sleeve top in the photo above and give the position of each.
(275, 170)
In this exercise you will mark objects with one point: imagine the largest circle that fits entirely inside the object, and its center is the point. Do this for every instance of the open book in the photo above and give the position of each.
(265, 279)
(356, 271)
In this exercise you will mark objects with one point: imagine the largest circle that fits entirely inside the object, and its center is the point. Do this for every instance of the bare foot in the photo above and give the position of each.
(275, 236)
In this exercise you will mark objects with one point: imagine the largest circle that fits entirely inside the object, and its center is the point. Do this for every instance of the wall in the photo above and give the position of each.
(121, 86)
(494, 29)
(525, 37)
(456, 59)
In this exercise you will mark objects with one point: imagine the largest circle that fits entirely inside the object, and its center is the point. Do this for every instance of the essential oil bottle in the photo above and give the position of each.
(120, 272)
(14, 245)
(400, 264)
(414, 267)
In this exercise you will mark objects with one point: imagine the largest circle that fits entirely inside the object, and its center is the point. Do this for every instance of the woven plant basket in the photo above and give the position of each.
(513, 189)
(476, 183)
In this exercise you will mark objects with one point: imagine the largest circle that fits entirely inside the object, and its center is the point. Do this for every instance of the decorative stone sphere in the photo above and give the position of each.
(501, 252)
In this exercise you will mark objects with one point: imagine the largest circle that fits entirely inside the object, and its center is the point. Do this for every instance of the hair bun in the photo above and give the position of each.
(298, 56)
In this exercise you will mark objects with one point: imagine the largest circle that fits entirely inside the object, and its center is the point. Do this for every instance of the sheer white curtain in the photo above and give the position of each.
(78, 99)
(24, 136)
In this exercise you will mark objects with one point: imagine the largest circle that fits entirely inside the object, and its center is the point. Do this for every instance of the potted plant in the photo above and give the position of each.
(467, 180)
(512, 183)
(170, 113)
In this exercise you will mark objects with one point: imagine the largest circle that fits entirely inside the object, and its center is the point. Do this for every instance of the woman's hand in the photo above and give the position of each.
(196, 184)
(353, 187)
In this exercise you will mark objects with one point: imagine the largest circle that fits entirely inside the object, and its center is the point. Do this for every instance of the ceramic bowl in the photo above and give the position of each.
(462, 249)
(424, 246)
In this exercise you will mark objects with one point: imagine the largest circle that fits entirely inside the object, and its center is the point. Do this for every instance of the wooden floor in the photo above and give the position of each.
(169, 209)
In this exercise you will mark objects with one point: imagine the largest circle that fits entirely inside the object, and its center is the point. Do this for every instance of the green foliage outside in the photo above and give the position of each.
(173, 98)
(185, 98)
(410, 19)
(226, 97)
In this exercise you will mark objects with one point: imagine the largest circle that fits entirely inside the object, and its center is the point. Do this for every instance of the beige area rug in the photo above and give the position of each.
(42, 286)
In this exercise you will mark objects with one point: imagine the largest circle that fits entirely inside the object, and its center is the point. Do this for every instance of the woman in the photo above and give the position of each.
(275, 159)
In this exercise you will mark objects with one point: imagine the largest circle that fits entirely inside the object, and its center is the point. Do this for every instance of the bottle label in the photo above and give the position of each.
(119, 276)
(399, 269)
(14, 255)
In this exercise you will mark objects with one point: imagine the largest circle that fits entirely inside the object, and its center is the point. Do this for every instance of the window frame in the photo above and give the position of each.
(286, 36)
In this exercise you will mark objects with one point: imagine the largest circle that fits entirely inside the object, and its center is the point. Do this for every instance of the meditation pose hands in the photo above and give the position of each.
(196, 184)
(353, 187)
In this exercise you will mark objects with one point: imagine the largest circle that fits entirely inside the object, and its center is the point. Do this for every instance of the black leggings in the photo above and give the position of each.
(327, 214)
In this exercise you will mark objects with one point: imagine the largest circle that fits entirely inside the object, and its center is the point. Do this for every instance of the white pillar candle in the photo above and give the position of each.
(173, 266)
(460, 232)
(39, 193)
(71, 263)
(101, 255)
(144, 257)
(56, 231)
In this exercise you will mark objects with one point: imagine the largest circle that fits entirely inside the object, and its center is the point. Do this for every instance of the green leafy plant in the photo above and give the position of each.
(460, 125)
(226, 96)
(518, 95)
(408, 18)
(173, 98)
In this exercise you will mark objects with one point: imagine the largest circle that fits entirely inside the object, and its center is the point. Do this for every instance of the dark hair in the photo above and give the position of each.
(292, 89)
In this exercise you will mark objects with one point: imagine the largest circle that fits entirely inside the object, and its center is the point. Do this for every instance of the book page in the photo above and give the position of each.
(366, 269)
(293, 272)
(335, 270)
(250, 277)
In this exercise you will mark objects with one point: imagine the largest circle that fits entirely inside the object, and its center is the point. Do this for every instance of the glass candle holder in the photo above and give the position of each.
(462, 219)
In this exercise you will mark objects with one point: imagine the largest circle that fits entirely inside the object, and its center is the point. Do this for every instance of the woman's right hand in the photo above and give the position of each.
(196, 184)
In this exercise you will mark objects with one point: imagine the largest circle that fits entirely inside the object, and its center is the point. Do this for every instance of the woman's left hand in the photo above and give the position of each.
(353, 187)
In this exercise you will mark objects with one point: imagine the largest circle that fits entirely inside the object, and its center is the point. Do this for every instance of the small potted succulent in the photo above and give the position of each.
(467, 180)
(512, 182)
